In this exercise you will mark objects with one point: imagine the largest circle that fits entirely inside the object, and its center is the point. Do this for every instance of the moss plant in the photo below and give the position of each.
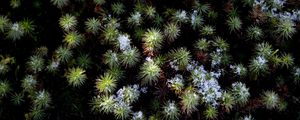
(93, 25)
(42, 99)
(60, 3)
(118, 8)
(171, 111)
(270, 99)
(227, 101)
(180, 56)
(63, 54)
(234, 24)
(207, 30)
(84, 61)
(240, 92)
(36, 64)
(4, 21)
(68, 22)
(189, 101)
(210, 113)
(17, 98)
(130, 57)
(76, 76)
(99, 2)
(285, 29)
(73, 39)
(111, 58)
(172, 31)
(153, 40)
(149, 72)
(5, 88)
(15, 31)
(150, 12)
(254, 33)
(106, 84)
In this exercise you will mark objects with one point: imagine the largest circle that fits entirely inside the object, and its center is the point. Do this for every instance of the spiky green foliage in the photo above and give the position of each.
(180, 56)
(111, 58)
(264, 49)
(42, 99)
(202, 8)
(171, 111)
(4, 22)
(36, 64)
(41, 51)
(17, 98)
(84, 61)
(286, 60)
(68, 22)
(103, 104)
(122, 111)
(4, 68)
(60, 3)
(118, 8)
(172, 31)
(110, 33)
(130, 57)
(152, 40)
(15, 31)
(254, 33)
(5, 88)
(93, 25)
(234, 24)
(29, 83)
(117, 72)
(36, 114)
(106, 83)
(149, 72)
(150, 11)
(27, 26)
(135, 19)
(73, 39)
(210, 113)
(76, 76)
(99, 2)
(285, 29)
(63, 54)
(296, 75)
(270, 99)
(207, 30)
(227, 101)
(240, 93)
(189, 101)
(202, 44)
(15, 3)
(258, 66)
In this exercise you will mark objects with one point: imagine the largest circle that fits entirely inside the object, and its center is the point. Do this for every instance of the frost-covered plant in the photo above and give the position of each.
(111, 58)
(171, 111)
(103, 104)
(176, 83)
(149, 72)
(234, 24)
(122, 110)
(264, 49)
(29, 83)
(153, 40)
(15, 31)
(124, 42)
(180, 56)
(247, 117)
(128, 94)
(239, 70)
(270, 99)
(42, 99)
(254, 33)
(93, 25)
(210, 113)
(76, 76)
(106, 83)
(240, 93)
(5, 88)
(130, 57)
(196, 20)
(258, 66)
(63, 54)
(180, 16)
(118, 8)
(171, 31)
(138, 116)
(73, 39)
(68, 22)
(135, 19)
(296, 75)
(189, 101)
(60, 3)
(36, 64)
